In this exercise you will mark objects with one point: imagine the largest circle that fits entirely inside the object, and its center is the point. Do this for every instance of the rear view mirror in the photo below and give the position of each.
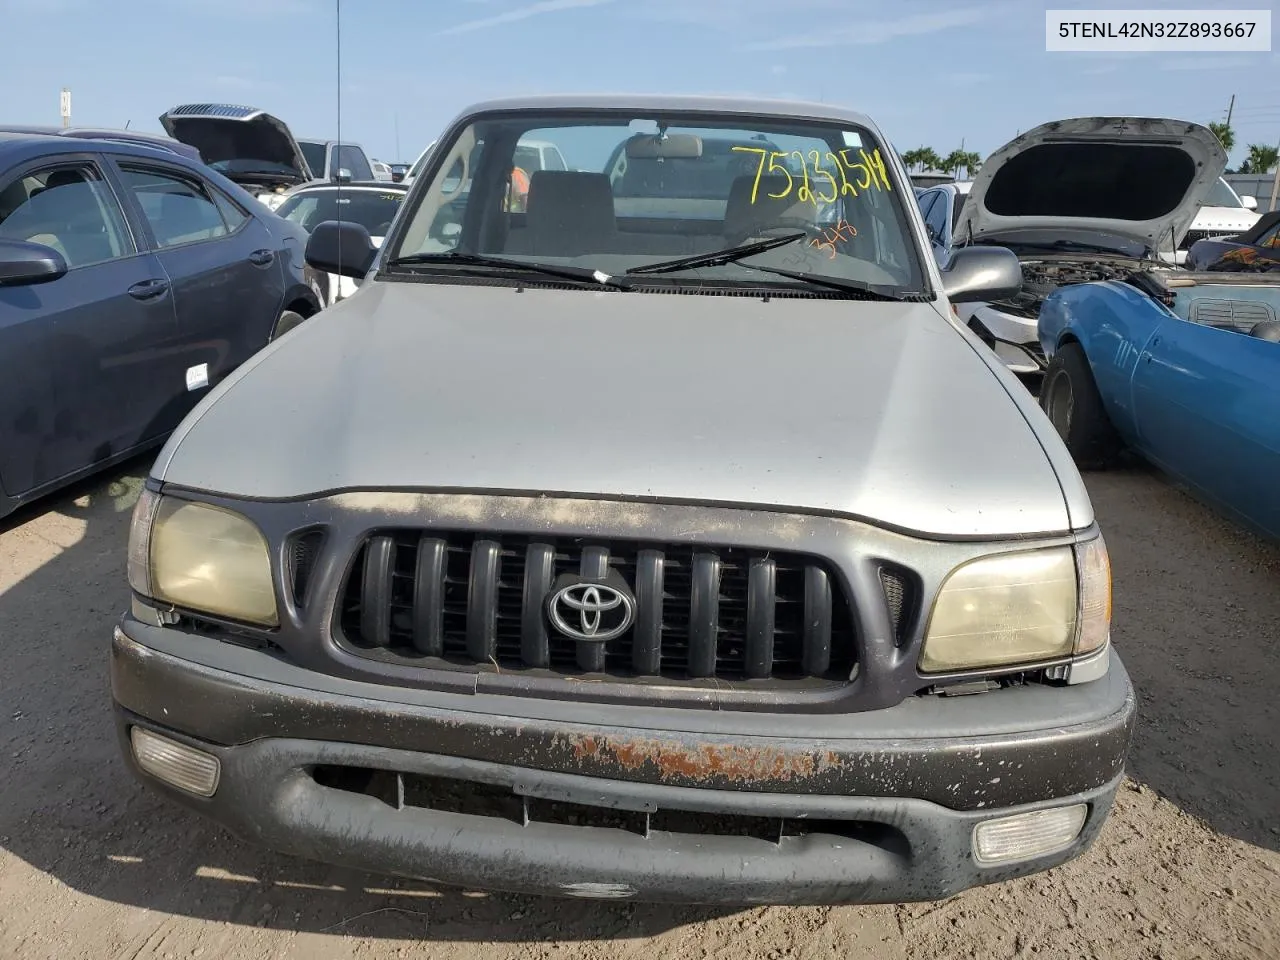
(23, 263)
(975, 274)
(1249, 203)
(674, 146)
(341, 247)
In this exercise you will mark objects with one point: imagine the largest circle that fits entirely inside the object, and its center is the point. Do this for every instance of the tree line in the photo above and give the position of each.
(1262, 157)
(926, 158)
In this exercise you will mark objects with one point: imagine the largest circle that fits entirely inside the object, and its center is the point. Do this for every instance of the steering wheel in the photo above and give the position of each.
(779, 226)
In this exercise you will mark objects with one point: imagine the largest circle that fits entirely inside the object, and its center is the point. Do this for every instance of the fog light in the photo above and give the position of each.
(175, 763)
(1025, 836)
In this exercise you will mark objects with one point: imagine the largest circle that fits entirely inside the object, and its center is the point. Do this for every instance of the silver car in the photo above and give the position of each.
(696, 554)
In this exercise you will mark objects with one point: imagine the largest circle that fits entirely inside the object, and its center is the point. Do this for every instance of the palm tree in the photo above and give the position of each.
(922, 157)
(1226, 136)
(967, 160)
(1262, 158)
(914, 158)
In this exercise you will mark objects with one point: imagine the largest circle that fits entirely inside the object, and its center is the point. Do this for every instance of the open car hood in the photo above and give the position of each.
(1140, 178)
(232, 139)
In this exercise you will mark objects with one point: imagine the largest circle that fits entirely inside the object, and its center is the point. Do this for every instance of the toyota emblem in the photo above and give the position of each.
(594, 612)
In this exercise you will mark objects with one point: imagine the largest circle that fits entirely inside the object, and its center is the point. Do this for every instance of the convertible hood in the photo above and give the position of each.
(224, 132)
(1134, 177)
(883, 411)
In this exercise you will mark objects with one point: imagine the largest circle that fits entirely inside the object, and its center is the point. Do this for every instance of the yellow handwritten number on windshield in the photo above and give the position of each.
(860, 171)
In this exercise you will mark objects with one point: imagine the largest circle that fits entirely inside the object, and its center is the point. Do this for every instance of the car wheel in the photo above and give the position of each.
(286, 322)
(1070, 398)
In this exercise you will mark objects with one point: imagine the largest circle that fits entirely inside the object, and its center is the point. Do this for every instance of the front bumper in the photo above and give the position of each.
(906, 785)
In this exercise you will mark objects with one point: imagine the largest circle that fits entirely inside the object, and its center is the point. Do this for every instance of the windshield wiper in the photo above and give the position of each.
(718, 257)
(857, 289)
(582, 275)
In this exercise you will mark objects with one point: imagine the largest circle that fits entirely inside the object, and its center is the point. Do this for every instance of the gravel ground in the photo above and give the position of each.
(93, 866)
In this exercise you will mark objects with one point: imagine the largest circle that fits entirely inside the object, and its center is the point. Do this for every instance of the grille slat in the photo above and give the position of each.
(428, 596)
(539, 571)
(375, 612)
(482, 600)
(594, 565)
(702, 615)
(646, 645)
(761, 593)
(817, 620)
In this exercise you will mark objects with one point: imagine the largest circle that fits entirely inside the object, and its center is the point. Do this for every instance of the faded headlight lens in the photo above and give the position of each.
(209, 559)
(1004, 610)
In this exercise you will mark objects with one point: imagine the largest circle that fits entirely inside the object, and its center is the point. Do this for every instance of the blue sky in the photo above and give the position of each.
(931, 72)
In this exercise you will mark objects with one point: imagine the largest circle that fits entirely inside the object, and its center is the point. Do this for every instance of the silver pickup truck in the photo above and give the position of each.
(695, 556)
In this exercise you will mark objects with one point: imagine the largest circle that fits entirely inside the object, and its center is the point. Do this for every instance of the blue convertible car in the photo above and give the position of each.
(1186, 372)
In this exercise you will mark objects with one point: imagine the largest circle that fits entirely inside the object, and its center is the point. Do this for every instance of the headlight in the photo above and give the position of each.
(201, 557)
(1020, 607)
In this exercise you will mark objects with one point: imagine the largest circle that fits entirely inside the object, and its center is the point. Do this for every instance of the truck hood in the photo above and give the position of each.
(242, 143)
(880, 411)
(1136, 177)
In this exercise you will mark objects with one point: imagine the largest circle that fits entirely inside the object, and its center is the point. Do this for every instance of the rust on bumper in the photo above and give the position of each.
(671, 759)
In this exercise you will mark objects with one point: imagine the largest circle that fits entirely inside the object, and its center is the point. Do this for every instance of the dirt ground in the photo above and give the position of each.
(93, 866)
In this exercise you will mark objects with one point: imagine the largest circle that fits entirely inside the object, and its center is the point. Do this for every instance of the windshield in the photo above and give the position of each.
(640, 191)
(421, 163)
(1221, 195)
(313, 153)
(372, 209)
(239, 165)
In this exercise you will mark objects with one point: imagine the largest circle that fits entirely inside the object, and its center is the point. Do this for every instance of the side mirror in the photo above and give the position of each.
(1249, 203)
(23, 263)
(343, 175)
(974, 274)
(342, 248)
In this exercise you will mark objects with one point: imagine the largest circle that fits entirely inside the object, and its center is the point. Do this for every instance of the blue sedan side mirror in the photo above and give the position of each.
(23, 263)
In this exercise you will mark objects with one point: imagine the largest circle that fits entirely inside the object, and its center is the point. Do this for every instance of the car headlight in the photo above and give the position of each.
(1021, 608)
(201, 557)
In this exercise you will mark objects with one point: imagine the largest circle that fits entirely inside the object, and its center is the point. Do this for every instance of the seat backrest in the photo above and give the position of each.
(570, 213)
(1267, 330)
(66, 217)
(742, 216)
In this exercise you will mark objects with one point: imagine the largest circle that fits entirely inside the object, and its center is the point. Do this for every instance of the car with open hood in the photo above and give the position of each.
(620, 551)
(246, 145)
(1077, 200)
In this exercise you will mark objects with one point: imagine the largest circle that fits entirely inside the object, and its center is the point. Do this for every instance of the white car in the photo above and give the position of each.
(372, 204)
(381, 170)
(530, 156)
(1223, 214)
(1083, 199)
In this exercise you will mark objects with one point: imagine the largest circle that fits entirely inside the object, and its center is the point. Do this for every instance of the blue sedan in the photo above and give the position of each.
(132, 280)
(1186, 375)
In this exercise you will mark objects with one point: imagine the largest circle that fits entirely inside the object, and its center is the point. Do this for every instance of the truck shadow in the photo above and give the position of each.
(72, 810)
(1196, 617)
(1197, 611)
